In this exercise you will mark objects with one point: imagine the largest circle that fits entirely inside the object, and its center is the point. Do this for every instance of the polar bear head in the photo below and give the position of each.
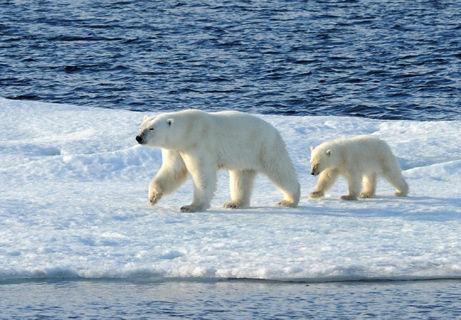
(322, 157)
(174, 130)
(156, 131)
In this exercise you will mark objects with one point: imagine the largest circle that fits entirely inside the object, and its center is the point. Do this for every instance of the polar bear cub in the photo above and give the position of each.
(360, 159)
(197, 143)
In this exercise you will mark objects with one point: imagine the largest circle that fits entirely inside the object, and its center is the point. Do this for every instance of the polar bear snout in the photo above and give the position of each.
(315, 170)
(140, 139)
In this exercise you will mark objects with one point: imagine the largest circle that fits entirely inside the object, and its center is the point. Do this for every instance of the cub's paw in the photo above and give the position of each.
(154, 197)
(287, 203)
(401, 194)
(348, 197)
(191, 208)
(366, 195)
(316, 194)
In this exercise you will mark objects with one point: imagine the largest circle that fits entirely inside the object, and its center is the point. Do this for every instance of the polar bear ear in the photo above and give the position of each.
(146, 117)
(312, 148)
(328, 152)
(170, 122)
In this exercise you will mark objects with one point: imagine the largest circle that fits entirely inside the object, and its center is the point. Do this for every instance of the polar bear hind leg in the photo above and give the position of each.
(393, 174)
(241, 186)
(368, 185)
(353, 181)
(281, 172)
(396, 179)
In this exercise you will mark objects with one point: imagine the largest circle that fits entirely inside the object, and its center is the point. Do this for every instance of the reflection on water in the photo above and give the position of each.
(231, 300)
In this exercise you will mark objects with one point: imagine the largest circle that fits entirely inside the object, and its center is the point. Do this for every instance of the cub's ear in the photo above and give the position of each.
(328, 152)
(312, 148)
(170, 122)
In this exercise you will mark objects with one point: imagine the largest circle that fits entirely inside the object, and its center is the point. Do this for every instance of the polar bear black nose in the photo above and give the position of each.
(139, 139)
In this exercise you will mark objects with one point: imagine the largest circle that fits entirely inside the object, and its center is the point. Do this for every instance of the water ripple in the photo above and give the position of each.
(393, 60)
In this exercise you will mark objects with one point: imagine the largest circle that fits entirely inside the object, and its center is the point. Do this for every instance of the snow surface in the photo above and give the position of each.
(73, 204)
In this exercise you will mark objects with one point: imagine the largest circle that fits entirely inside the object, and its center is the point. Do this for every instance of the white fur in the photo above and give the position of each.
(359, 159)
(199, 143)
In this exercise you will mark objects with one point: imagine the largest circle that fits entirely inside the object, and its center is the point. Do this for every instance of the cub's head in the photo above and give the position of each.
(321, 158)
(154, 131)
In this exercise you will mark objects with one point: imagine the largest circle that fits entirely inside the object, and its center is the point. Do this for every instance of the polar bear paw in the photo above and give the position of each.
(154, 197)
(233, 205)
(287, 203)
(192, 208)
(349, 197)
(366, 195)
(316, 194)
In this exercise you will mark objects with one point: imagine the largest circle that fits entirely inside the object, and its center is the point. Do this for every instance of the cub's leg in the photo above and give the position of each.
(353, 181)
(397, 180)
(393, 174)
(326, 179)
(368, 186)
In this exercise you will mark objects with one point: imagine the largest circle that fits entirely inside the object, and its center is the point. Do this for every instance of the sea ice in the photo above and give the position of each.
(73, 204)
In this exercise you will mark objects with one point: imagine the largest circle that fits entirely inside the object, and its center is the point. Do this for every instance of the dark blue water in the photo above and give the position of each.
(231, 300)
(377, 59)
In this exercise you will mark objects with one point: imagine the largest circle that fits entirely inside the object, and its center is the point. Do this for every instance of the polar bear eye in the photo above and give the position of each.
(151, 129)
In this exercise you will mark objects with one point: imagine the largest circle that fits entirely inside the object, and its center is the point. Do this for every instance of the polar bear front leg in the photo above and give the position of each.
(353, 181)
(203, 172)
(171, 175)
(155, 193)
(326, 179)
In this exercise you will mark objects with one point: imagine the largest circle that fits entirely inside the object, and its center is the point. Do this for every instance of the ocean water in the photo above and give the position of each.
(231, 300)
(72, 247)
(386, 60)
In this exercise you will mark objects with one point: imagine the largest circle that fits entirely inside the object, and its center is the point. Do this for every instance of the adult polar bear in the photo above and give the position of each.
(199, 143)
